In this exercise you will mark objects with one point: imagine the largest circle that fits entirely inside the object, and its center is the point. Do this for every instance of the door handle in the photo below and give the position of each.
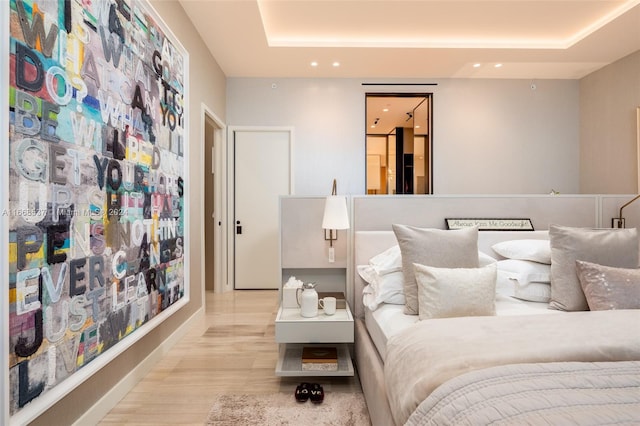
(238, 227)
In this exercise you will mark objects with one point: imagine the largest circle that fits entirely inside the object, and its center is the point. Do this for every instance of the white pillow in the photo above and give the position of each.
(529, 280)
(382, 288)
(389, 260)
(533, 292)
(367, 273)
(484, 259)
(525, 271)
(534, 250)
(369, 298)
(455, 292)
(504, 285)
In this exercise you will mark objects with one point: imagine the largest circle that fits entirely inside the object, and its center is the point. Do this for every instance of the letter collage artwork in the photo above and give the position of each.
(96, 189)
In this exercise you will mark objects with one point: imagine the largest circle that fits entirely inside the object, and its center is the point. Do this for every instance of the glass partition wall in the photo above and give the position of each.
(398, 143)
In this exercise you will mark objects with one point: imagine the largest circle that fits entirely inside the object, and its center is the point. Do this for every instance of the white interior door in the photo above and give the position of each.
(262, 174)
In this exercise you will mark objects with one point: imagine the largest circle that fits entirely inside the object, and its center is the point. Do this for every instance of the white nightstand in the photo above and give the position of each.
(304, 256)
(293, 332)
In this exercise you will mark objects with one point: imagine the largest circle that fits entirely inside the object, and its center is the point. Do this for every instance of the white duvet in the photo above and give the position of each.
(558, 393)
(429, 353)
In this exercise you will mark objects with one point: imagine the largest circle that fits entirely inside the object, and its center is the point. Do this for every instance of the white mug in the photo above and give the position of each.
(328, 304)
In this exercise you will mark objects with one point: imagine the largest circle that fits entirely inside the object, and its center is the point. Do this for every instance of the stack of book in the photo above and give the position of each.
(319, 358)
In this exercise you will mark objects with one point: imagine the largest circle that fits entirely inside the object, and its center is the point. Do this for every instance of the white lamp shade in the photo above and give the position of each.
(335, 213)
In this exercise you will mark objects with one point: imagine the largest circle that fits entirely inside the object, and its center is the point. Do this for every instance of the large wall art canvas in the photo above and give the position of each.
(95, 208)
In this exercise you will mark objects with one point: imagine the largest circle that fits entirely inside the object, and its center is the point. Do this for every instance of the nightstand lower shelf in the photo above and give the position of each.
(290, 361)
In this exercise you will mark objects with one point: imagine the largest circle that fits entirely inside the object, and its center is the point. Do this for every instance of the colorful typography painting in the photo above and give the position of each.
(96, 205)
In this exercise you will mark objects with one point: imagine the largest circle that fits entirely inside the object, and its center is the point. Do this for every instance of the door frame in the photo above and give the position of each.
(221, 282)
(231, 190)
(428, 151)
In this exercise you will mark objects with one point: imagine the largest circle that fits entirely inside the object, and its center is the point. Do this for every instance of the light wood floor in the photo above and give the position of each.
(233, 352)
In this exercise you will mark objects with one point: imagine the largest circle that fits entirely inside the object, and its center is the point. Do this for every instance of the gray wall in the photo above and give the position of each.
(608, 101)
(489, 136)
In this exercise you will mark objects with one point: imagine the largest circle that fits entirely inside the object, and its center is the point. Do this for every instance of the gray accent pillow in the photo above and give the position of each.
(609, 247)
(609, 288)
(456, 292)
(433, 247)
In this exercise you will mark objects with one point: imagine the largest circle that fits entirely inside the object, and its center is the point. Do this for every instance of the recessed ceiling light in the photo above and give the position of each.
(336, 64)
(385, 110)
(476, 65)
(497, 65)
(314, 64)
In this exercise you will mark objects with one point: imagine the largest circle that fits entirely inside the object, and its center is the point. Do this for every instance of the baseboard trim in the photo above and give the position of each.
(100, 409)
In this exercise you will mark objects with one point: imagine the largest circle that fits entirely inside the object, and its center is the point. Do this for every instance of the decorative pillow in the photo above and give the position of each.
(530, 280)
(383, 288)
(456, 292)
(386, 280)
(534, 250)
(607, 288)
(433, 247)
(609, 247)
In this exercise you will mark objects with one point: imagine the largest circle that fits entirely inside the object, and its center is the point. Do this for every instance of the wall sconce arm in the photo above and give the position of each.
(620, 218)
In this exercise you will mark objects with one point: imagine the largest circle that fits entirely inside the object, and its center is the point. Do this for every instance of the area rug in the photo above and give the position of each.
(337, 409)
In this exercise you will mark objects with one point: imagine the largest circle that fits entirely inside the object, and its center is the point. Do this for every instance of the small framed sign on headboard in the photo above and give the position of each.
(491, 224)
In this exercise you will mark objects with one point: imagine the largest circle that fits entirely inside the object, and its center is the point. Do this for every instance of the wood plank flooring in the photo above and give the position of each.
(232, 352)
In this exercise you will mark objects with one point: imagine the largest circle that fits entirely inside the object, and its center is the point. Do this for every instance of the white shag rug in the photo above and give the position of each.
(337, 409)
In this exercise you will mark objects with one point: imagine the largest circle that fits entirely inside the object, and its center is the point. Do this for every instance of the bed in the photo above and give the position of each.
(524, 362)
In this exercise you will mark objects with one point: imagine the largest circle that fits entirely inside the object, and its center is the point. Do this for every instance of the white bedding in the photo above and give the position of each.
(442, 349)
(580, 393)
(384, 322)
(389, 320)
